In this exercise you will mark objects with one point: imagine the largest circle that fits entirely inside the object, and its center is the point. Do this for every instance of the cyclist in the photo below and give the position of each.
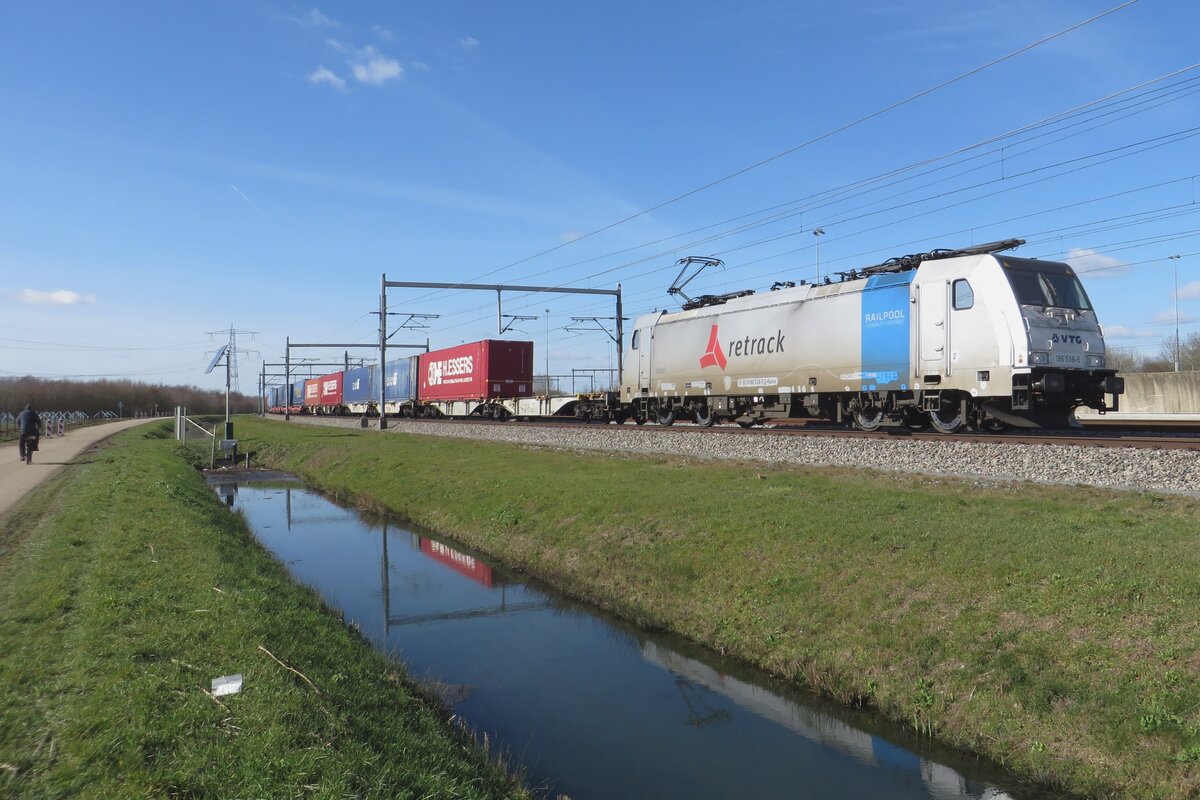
(29, 427)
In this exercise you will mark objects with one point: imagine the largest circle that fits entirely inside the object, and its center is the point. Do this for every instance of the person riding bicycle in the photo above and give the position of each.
(29, 427)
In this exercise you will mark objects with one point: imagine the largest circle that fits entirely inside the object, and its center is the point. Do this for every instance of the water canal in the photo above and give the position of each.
(592, 706)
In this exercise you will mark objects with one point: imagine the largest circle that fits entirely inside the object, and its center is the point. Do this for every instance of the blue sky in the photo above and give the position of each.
(174, 169)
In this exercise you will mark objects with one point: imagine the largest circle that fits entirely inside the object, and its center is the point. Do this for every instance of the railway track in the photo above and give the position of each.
(1145, 460)
(1125, 434)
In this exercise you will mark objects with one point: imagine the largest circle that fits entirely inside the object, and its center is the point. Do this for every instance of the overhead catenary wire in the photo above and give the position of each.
(1058, 117)
(815, 139)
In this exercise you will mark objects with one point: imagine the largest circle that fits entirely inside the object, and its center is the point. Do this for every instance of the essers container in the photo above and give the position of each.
(312, 393)
(476, 371)
(331, 389)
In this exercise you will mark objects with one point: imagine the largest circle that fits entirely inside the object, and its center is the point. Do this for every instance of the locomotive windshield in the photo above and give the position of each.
(1045, 283)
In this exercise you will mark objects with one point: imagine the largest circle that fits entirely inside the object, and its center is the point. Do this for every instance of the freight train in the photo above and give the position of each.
(945, 339)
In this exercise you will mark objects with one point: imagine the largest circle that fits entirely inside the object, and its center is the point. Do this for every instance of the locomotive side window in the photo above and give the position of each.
(633, 345)
(964, 297)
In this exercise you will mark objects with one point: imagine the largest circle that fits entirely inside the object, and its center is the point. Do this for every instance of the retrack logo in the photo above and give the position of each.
(714, 356)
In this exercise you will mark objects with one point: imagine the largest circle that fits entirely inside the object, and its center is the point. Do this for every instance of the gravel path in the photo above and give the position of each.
(18, 479)
(1133, 469)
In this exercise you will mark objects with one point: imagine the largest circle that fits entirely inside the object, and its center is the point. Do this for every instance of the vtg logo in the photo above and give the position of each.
(1066, 338)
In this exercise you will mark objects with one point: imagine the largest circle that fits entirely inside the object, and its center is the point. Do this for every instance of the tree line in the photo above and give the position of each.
(123, 397)
(1128, 359)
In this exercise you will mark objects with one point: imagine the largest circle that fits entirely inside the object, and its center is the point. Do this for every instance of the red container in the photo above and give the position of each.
(476, 371)
(331, 389)
(459, 562)
(312, 392)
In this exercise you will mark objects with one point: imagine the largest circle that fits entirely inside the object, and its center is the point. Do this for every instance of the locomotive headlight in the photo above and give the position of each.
(1039, 357)
(1095, 361)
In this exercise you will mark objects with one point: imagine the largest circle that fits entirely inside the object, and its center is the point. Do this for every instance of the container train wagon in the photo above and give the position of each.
(489, 378)
(947, 339)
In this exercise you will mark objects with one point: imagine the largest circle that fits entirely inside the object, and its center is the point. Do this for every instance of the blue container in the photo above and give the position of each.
(297, 398)
(359, 386)
(398, 379)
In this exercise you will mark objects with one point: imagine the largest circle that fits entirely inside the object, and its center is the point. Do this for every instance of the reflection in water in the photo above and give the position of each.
(591, 706)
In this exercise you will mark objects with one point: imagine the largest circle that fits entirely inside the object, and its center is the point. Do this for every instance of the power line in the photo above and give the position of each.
(814, 140)
(822, 199)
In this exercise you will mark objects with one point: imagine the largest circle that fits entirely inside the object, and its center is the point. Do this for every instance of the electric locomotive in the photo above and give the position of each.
(950, 338)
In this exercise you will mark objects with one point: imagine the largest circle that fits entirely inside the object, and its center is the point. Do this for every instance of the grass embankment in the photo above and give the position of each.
(125, 588)
(1053, 629)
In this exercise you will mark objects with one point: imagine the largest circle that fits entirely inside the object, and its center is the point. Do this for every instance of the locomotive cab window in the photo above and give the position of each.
(633, 344)
(1045, 283)
(964, 296)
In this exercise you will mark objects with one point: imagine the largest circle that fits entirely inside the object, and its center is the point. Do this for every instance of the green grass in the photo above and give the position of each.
(1055, 630)
(125, 588)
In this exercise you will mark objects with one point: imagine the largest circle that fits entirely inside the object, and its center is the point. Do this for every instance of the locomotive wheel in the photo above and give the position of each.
(868, 419)
(993, 425)
(666, 416)
(704, 417)
(639, 420)
(747, 423)
(947, 420)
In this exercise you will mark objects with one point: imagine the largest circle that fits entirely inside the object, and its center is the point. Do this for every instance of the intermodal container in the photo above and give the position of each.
(358, 386)
(312, 393)
(297, 398)
(398, 379)
(462, 563)
(331, 390)
(476, 371)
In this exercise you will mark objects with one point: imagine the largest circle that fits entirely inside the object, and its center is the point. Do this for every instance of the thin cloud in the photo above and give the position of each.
(58, 297)
(314, 19)
(468, 43)
(1087, 261)
(383, 33)
(375, 69)
(1189, 292)
(1169, 317)
(324, 76)
(1125, 332)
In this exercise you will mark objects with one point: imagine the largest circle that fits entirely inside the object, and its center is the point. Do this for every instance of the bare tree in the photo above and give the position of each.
(104, 395)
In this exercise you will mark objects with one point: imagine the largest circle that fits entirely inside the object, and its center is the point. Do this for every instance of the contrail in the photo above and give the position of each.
(247, 199)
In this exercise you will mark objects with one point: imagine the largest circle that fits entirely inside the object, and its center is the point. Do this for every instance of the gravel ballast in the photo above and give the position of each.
(1133, 469)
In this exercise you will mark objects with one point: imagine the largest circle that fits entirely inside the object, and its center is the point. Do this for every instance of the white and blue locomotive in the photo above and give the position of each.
(947, 339)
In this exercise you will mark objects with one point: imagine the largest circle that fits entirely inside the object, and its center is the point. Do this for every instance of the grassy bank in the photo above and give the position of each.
(1053, 629)
(125, 588)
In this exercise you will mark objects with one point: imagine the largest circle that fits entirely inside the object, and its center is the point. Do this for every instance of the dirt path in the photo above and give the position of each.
(17, 478)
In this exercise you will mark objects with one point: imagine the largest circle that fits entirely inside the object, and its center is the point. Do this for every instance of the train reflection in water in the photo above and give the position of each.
(592, 706)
